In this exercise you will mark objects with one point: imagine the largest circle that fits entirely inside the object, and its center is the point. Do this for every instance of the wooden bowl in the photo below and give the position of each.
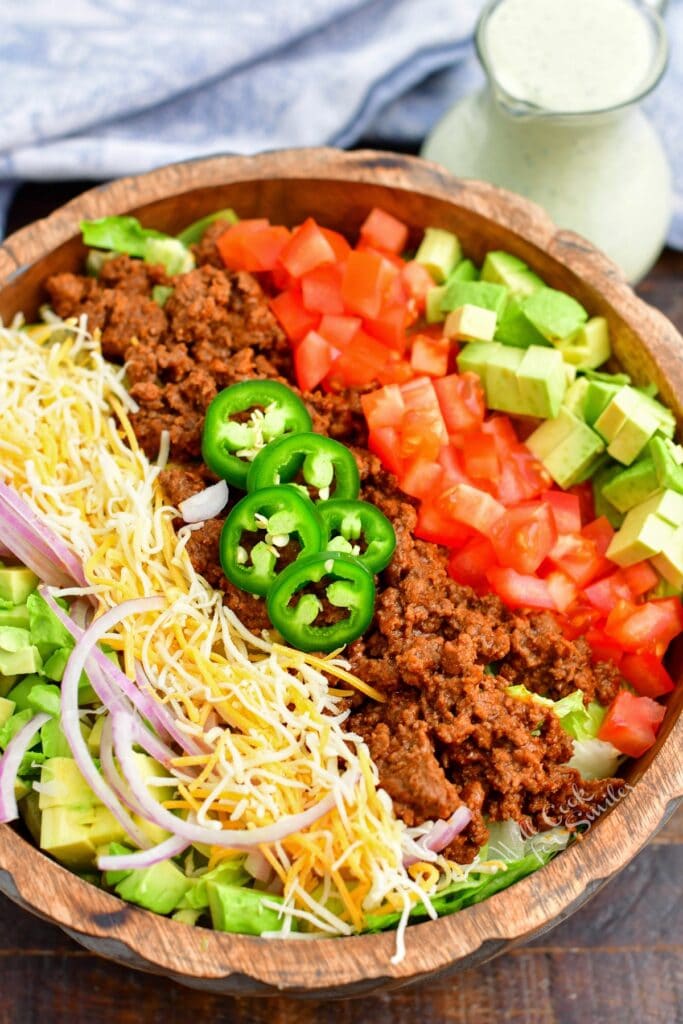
(339, 189)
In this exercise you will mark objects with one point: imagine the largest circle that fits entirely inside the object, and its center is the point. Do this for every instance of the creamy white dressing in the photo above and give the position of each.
(570, 55)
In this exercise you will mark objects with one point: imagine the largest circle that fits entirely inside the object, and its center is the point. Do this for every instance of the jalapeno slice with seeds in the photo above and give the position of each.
(244, 418)
(301, 592)
(327, 467)
(360, 529)
(283, 516)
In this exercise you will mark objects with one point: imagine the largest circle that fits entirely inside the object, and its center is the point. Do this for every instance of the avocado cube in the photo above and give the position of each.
(440, 252)
(147, 768)
(502, 383)
(542, 382)
(63, 786)
(666, 421)
(7, 683)
(104, 828)
(555, 314)
(17, 615)
(638, 539)
(236, 909)
(465, 271)
(65, 833)
(159, 888)
(475, 293)
(470, 323)
(504, 268)
(16, 583)
(631, 440)
(53, 740)
(632, 486)
(95, 736)
(433, 311)
(229, 872)
(45, 697)
(567, 447)
(17, 663)
(668, 470)
(552, 433)
(7, 708)
(598, 397)
(669, 562)
(589, 347)
(515, 328)
(625, 406)
(19, 693)
(474, 358)
(13, 639)
(627, 424)
(30, 812)
(575, 396)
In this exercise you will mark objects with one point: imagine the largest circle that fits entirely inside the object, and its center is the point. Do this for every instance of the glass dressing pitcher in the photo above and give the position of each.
(558, 119)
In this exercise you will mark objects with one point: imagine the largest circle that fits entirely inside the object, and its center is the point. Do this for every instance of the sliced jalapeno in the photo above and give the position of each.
(327, 467)
(242, 419)
(297, 599)
(281, 515)
(360, 529)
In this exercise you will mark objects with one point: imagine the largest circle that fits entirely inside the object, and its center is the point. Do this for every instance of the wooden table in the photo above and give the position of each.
(619, 959)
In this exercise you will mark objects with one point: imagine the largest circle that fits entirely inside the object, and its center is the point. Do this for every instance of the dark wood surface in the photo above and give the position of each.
(619, 959)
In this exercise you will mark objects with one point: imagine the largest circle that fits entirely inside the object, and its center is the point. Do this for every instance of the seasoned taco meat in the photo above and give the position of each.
(448, 732)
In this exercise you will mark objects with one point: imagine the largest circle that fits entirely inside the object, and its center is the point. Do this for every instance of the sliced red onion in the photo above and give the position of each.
(257, 866)
(124, 738)
(111, 772)
(206, 504)
(34, 543)
(10, 762)
(171, 847)
(441, 834)
(70, 717)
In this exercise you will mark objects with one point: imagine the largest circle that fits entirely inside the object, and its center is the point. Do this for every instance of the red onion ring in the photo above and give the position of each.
(206, 504)
(170, 847)
(442, 833)
(10, 762)
(34, 543)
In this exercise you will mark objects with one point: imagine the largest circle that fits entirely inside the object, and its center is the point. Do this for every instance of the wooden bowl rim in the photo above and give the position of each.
(351, 965)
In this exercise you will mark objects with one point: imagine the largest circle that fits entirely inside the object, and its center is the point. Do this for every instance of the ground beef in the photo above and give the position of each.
(206, 253)
(447, 733)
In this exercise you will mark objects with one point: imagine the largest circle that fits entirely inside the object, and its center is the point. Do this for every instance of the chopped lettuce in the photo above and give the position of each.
(580, 720)
(194, 232)
(120, 234)
(595, 759)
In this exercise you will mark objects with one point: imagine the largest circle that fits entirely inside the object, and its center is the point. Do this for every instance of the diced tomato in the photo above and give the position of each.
(363, 361)
(566, 510)
(313, 358)
(295, 320)
(480, 457)
(605, 594)
(382, 231)
(321, 289)
(461, 398)
(365, 281)
(421, 477)
(383, 407)
(430, 355)
(645, 627)
(578, 556)
(603, 648)
(339, 330)
(646, 674)
(230, 242)
(438, 528)
(452, 466)
(631, 723)
(520, 591)
(262, 249)
(562, 588)
(340, 246)
(532, 476)
(390, 326)
(396, 371)
(307, 248)
(523, 536)
(417, 281)
(601, 532)
(421, 433)
(471, 562)
(640, 577)
(578, 620)
(501, 429)
(584, 492)
(470, 506)
(383, 442)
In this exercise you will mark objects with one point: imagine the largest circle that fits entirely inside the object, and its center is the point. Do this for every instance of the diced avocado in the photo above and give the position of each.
(17, 615)
(647, 528)
(173, 256)
(569, 373)
(504, 268)
(555, 314)
(433, 311)
(666, 421)
(54, 667)
(47, 632)
(53, 740)
(64, 786)
(20, 693)
(159, 888)
(668, 505)
(440, 252)
(598, 396)
(602, 505)
(632, 486)
(473, 358)
(588, 347)
(148, 768)
(6, 684)
(17, 663)
(567, 447)
(13, 639)
(665, 589)
(228, 872)
(65, 833)
(16, 583)
(465, 271)
(542, 382)
(14, 724)
(187, 916)
(514, 327)
(669, 472)
(236, 909)
(575, 397)
(104, 828)
(669, 562)
(7, 708)
(45, 697)
(95, 736)
(627, 424)
(618, 379)
(470, 323)
(475, 293)
(501, 382)
(30, 812)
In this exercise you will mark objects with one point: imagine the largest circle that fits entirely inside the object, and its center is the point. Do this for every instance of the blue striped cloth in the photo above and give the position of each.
(100, 88)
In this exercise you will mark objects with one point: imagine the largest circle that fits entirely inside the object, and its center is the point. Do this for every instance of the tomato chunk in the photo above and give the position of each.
(307, 248)
(295, 320)
(433, 525)
(524, 536)
(339, 330)
(631, 723)
(461, 398)
(430, 355)
(470, 564)
(382, 231)
(470, 506)
(230, 243)
(366, 279)
(321, 289)
(646, 674)
(520, 591)
(645, 627)
(383, 442)
(312, 360)
(383, 407)
(566, 510)
(480, 456)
